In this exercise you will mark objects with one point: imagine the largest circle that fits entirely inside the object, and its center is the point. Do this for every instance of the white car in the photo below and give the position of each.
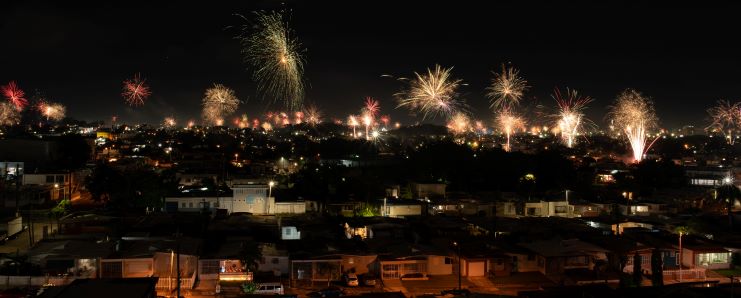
(270, 288)
(351, 280)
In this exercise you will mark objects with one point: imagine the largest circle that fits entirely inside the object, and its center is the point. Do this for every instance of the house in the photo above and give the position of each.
(290, 233)
(697, 253)
(477, 259)
(707, 176)
(549, 208)
(10, 226)
(223, 263)
(249, 198)
(60, 184)
(419, 266)
(522, 259)
(555, 256)
(427, 190)
(506, 209)
(81, 258)
(273, 260)
(401, 208)
(147, 257)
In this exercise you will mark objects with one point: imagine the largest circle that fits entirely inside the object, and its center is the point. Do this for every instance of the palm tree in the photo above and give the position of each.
(728, 194)
(681, 230)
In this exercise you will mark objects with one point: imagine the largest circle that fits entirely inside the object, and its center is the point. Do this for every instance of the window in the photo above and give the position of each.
(712, 258)
(190, 205)
(183, 204)
(530, 257)
(560, 209)
(448, 261)
(49, 179)
(60, 178)
(111, 270)
(210, 267)
(276, 261)
(288, 231)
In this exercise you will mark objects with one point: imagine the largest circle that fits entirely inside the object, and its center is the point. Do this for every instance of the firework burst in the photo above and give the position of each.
(169, 122)
(726, 118)
(352, 121)
(135, 91)
(273, 53)
(218, 102)
(570, 117)
(313, 116)
(507, 88)
(371, 107)
(9, 114)
(52, 111)
(14, 95)
(433, 94)
(459, 124)
(633, 115)
(508, 123)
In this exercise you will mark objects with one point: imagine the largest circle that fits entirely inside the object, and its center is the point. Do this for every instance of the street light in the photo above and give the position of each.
(270, 188)
(458, 246)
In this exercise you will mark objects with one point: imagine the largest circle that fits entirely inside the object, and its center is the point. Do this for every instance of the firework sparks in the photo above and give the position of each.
(433, 94)
(313, 116)
(459, 124)
(218, 102)
(507, 88)
(371, 107)
(52, 111)
(353, 122)
(570, 117)
(9, 114)
(274, 55)
(169, 122)
(726, 117)
(508, 122)
(633, 115)
(135, 91)
(385, 119)
(14, 95)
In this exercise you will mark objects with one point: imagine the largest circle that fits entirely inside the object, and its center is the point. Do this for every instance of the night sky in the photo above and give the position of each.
(78, 54)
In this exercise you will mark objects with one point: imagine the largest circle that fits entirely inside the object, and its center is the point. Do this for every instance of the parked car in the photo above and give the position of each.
(270, 288)
(369, 280)
(328, 292)
(351, 280)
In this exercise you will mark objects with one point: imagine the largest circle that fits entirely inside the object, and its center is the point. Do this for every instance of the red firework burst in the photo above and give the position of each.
(372, 106)
(15, 95)
(135, 91)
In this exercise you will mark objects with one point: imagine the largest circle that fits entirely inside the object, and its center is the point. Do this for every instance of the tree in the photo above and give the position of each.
(657, 269)
(728, 194)
(249, 255)
(60, 210)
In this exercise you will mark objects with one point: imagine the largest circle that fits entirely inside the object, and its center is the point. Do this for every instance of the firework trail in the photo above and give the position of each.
(633, 115)
(385, 119)
(14, 95)
(218, 102)
(9, 114)
(274, 55)
(508, 122)
(433, 94)
(135, 91)
(52, 111)
(570, 117)
(726, 118)
(459, 124)
(507, 88)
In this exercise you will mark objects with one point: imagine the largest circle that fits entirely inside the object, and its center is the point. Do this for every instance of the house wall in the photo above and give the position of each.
(403, 210)
(290, 208)
(359, 264)
(436, 265)
(520, 262)
(277, 264)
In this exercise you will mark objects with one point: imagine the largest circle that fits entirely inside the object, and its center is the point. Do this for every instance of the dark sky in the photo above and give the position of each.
(685, 58)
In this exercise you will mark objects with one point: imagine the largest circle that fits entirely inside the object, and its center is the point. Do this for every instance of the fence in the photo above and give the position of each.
(169, 283)
(23, 281)
(686, 274)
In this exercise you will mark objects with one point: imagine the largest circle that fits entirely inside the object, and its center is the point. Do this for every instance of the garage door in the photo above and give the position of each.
(476, 268)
